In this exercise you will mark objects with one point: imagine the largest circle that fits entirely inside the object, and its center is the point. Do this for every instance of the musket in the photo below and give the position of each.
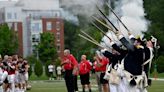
(118, 17)
(102, 22)
(90, 41)
(101, 30)
(89, 37)
(107, 18)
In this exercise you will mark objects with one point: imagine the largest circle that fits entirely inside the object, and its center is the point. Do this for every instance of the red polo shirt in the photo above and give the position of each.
(104, 61)
(95, 66)
(84, 67)
(69, 62)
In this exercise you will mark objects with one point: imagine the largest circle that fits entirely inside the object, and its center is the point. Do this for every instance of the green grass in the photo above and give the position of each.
(59, 86)
(157, 86)
(159, 75)
(34, 77)
(39, 86)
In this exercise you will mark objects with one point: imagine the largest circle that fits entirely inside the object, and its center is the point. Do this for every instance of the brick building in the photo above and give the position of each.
(29, 18)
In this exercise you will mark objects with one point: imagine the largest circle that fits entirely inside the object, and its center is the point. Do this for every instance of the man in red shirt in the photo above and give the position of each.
(84, 70)
(101, 63)
(70, 65)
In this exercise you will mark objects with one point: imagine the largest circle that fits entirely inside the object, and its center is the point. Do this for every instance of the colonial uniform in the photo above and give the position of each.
(114, 71)
(133, 68)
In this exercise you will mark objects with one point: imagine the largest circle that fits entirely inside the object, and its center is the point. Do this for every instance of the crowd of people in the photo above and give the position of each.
(13, 74)
(118, 69)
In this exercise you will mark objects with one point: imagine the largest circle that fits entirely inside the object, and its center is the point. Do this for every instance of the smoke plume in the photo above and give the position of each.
(85, 8)
(131, 12)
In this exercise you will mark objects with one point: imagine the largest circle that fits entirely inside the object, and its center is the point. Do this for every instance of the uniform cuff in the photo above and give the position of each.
(112, 43)
(131, 36)
(120, 37)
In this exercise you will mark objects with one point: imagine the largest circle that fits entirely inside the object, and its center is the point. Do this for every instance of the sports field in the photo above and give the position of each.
(59, 86)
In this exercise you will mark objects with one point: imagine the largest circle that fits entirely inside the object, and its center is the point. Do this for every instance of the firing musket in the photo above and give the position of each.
(118, 17)
(88, 36)
(101, 22)
(91, 41)
(101, 30)
(107, 19)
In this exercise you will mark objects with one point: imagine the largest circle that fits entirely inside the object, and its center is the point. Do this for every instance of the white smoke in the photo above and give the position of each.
(85, 8)
(131, 12)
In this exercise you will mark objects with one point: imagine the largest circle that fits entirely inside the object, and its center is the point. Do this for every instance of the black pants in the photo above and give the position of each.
(75, 83)
(69, 80)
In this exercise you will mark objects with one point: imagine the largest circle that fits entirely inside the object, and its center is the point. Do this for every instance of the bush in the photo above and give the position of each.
(31, 60)
(160, 64)
(57, 62)
(38, 69)
(46, 68)
(30, 70)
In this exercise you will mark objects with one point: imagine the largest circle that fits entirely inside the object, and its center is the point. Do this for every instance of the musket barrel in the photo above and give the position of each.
(107, 19)
(118, 18)
(101, 30)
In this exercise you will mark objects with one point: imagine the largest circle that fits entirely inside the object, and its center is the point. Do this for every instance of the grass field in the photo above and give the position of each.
(59, 86)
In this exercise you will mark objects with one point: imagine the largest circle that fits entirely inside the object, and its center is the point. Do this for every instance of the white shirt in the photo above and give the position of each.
(50, 68)
(59, 70)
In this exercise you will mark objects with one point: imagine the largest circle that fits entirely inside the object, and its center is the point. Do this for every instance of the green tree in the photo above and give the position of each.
(31, 60)
(57, 62)
(30, 70)
(155, 13)
(160, 64)
(38, 68)
(8, 40)
(46, 47)
(46, 68)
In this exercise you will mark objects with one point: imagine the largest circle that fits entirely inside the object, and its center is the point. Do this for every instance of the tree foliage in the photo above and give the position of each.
(160, 64)
(38, 68)
(8, 40)
(31, 60)
(46, 68)
(76, 44)
(155, 12)
(46, 47)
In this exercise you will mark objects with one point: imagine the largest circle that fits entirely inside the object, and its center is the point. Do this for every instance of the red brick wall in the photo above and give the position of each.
(19, 32)
(54, 26)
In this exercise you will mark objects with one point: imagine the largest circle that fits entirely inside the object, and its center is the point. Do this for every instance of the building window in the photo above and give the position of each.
(35, 38)
(36, 27)
(58, 36)
(15, 15)
(58, 47)
(9, 15)
(15, 27)
(48, 26)
(57, 25)
(10, 25)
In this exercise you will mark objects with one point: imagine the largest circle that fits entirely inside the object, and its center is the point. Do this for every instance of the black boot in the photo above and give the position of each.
(90, 90)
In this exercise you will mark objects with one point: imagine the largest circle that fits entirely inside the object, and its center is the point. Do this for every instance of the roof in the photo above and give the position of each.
(38, 4)
(7, 3)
